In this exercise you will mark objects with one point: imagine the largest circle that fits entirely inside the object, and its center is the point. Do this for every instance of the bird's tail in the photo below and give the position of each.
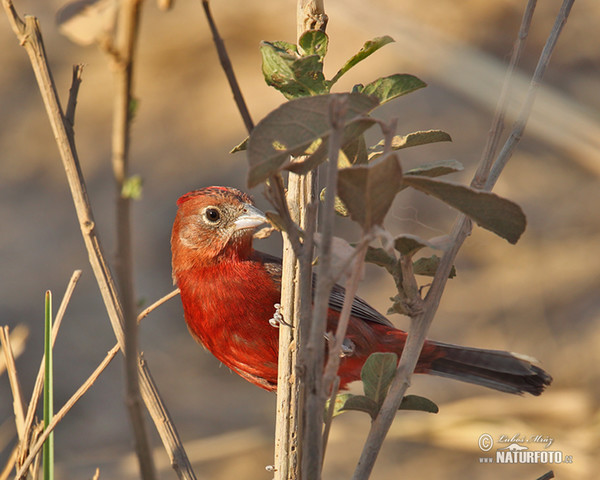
(504, 371)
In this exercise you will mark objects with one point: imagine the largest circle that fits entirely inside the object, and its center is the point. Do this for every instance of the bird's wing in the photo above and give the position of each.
(360, 308)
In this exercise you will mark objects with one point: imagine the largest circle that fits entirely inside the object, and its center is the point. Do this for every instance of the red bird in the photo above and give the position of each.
(229, 290)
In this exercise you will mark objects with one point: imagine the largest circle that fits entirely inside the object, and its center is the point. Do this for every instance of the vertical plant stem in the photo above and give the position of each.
(129, 16)
(48, 462)
(296, 300)
(315, 396)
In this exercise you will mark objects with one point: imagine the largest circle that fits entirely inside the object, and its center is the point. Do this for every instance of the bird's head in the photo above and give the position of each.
(213, 224)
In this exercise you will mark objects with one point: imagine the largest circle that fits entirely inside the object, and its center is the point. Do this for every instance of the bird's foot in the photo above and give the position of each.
(278, 318)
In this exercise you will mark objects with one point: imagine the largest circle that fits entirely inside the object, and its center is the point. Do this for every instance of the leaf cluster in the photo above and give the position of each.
(376, 375)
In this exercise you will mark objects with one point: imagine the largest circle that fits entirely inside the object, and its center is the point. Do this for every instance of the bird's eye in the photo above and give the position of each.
(212, 215)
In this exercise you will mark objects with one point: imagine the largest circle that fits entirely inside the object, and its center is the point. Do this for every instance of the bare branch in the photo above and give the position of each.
(540, 70)
(157, 304)
(228, 69)
(73, 92)
(491, 145)
(15, 385)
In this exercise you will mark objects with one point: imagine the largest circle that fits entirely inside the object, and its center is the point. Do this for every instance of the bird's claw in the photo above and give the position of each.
(278, 318)
(347, 345)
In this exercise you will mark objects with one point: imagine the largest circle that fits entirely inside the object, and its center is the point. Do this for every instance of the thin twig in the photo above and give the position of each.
(30, 38)
(335, 349)
(73, 92)
(421, 323)
(64, 410)
(157, 304)
(329, 416)
(540, 70)
(15, 385)
(39, 381)
(18, 339)
(228, 69)
(491, 145)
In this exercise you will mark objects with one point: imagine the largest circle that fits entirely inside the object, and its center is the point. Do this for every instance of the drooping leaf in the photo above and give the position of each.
(388, 88)
(408, 244)
(361, 403)
(411, 140)
(436, 169)
(379, 256)
(356, 151)
(428, 267)
(354, 129)
(314, 42)
(293, 75)
(339, 402)
(415, 402)
(368, 191)
(292, 128)
(367, 49)
(488, 210)
(377, 374)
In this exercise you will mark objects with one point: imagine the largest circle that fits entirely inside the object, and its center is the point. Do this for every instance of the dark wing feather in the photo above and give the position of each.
(360, 308)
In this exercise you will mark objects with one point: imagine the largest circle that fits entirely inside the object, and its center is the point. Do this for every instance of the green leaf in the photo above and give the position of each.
(388, 88)
(368, 191)
(377, 374)
(314, 42)
(415, 402)
(436, 169)
(292, 128)
(338, 407)
(488, 210)
(367, 49)
(132, 187)
(293, 75)
(361, 403)
(411, 140)
(428, 267)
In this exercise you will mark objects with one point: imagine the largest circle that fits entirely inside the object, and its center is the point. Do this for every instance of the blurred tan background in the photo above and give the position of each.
(539, 297)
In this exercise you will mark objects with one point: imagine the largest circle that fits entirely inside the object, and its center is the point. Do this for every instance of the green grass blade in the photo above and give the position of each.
(48, 451)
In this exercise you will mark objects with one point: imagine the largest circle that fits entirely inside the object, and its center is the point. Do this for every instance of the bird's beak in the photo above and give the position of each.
(252, 217)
